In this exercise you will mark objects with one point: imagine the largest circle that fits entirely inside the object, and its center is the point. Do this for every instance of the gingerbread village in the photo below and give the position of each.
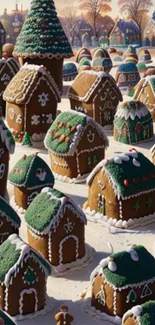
(77, 163)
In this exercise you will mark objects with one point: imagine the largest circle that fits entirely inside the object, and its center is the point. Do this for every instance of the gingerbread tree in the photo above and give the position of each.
(42, 39)
(27, 140)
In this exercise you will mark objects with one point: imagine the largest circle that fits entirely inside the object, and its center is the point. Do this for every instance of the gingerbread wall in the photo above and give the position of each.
(70, 226)
(91, 150)
(101, 186)
(6, 229)
(18, 286)
(15, 116)
(65, 165)
(148, 98)
(41, 109)
(138, 206)
(87, 107)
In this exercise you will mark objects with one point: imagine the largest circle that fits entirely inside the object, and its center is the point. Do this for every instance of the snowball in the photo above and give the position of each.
(112, 266)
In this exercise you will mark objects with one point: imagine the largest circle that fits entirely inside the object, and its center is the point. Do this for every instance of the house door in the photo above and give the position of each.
(28, 302)
(101, 204)
(68, 249)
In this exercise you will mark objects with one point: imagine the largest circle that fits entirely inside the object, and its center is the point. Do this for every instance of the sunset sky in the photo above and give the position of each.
(10, 4)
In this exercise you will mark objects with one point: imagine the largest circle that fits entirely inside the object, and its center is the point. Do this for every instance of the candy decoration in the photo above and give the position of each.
(62, 137)
(73, 128)
(134, 180)
(67, 140)
(118, 160)
(152, 175)
(126, 183)
(25, 156)
(144, 178)
(136, 162)
(112, 265)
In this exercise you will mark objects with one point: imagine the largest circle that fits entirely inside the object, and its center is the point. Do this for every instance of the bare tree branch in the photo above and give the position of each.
(136, 8)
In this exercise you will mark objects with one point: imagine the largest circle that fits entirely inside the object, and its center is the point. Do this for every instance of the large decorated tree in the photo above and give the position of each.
(42, 39)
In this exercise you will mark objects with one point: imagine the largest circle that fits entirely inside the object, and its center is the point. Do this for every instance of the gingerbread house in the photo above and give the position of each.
(22, 271)
(29, 176)
(153, 153)
(9, 221)
(76, 143)
(8, 69)
(7, 147)
(84, 52)
(122, 189)
(145, 92)
(56, 227)
(133, 123)
(42, 40)
(5, 319)
(127, 77)
(32, 98)
(140, 314)
(118, 284)
(98, 95)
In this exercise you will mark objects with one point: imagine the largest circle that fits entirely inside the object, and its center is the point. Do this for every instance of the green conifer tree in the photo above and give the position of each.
(42, 34)
(26, 140)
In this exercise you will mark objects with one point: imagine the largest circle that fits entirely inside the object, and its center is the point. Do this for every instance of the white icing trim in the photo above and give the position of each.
(27, 291)
(55, 220)
(38, 71)
(79, 134)
(61, 247)
(153, 150)
(49, 306)
(21, 212)
(84, 75)
(25, 252)
(68, 268)
(132, 112)
(80, 179)
(98, 315)
(96, 217)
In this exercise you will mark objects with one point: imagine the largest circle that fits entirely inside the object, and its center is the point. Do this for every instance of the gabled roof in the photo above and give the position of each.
(6, 211)
(126, 25)
(144, 314)
(6, 137)
(130, 174)
(47, 209)
(150, 27)
(143, 83)
(12, 65)
(67, 130)
(12, 254)
(126, 268)
(31, 172)
(6, 318)
(132, 109)
(90, 80)
(21, 87)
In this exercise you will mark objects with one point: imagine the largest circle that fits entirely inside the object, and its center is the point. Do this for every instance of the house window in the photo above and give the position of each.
(30, 276)
(101, 203)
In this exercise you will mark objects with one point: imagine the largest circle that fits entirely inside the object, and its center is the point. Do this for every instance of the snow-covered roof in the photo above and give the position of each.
(50, 205)
(6, 137)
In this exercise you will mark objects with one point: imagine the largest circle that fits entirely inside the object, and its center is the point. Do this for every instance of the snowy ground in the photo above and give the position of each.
(102, 242)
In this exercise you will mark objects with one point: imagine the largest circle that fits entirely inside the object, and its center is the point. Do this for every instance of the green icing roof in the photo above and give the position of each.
(6, 318)
(28, 172)
(9, 255)
(42, 33)
(148, 315)
(7, 209)
(129, 271)
(127, 170)
(42, 210)
(62, 132)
